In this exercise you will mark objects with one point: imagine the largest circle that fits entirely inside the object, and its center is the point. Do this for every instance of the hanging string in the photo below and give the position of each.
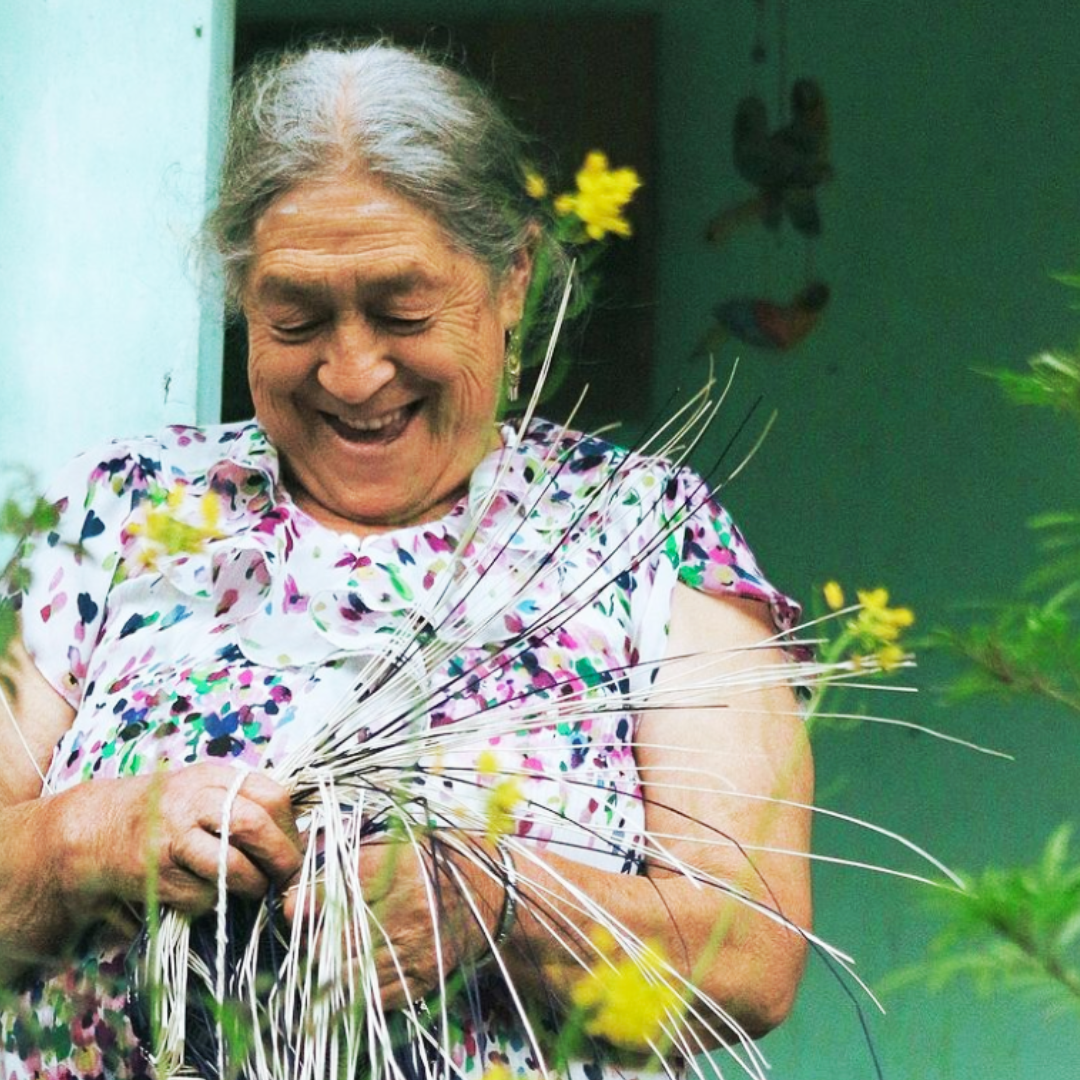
(759, 52)
(783, 82)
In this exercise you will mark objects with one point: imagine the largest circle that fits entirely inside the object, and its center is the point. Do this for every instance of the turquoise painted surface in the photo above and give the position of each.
(108, 143)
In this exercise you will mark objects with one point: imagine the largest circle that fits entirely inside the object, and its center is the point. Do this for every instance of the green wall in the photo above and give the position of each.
(956, 152)
(956, 147)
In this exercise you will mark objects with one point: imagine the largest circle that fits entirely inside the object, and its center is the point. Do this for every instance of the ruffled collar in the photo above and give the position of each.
(298, 593)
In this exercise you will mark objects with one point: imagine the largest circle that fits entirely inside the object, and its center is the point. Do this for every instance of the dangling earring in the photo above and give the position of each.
(512, 364)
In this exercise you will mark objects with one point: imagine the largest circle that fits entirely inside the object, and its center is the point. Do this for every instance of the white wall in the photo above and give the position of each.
(107, 154)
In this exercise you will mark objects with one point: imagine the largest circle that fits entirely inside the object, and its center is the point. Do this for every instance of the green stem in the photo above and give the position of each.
(1050, 965)
(830, 653)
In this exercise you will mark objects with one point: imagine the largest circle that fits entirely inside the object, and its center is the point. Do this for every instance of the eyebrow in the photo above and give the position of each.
(274, 287)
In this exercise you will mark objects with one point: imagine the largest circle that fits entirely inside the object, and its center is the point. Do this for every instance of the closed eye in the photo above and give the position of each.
(402, 325)
(302, 331)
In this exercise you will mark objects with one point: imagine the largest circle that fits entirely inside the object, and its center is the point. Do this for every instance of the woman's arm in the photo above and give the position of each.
(711, 777)
(33, 717)
(67, 859)
(709, 772)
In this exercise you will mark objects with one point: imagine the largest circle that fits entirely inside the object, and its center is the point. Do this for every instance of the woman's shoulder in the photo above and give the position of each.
(604, 479)
(178, 451)
(664, 505)
(178, 455)
(100, 491)
(584, 455)
(566, 483)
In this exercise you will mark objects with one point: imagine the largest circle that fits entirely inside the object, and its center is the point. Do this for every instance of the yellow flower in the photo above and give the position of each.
(502, 802)
(890, 656)
(166, 531)
(601, 195)
(834, 595)
(487, 762)
(877, 622)
(503, 797)
(535, 185)
(628, 1002)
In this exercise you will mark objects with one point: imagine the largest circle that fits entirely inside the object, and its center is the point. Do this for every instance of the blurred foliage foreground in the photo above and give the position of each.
(22, 512)
(1021, 924)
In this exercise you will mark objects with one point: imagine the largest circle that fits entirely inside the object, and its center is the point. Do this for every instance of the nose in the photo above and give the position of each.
(354, 363)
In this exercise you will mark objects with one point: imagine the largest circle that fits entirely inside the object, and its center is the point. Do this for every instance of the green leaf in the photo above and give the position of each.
(1018, 925)
(7, 626)
(43, 516)
(1072, 280)
(1052, 381)
(1056, 518)
(1025, 649)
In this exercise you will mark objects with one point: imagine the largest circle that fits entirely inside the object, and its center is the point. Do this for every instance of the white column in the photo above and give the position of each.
(111, 120)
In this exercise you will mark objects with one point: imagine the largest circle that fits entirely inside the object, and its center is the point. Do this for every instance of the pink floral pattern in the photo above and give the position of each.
(235, 651)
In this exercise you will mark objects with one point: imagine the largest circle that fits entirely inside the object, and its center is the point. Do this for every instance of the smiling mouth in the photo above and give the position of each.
(378, 429)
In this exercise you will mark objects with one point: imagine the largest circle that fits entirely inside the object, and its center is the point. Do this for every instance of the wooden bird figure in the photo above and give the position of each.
(786, 165)
(764, 323)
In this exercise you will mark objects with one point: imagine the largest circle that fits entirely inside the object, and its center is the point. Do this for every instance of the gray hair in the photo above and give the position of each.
(429, 133)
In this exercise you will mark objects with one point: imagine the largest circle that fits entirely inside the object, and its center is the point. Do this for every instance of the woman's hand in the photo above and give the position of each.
(76, 858)
(121, 835)
(407, 890)
(96, 844)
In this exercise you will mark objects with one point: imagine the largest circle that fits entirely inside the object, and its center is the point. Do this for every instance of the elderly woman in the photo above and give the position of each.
(208, 596)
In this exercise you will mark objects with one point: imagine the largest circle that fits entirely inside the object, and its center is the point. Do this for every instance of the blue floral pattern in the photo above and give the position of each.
(235, 651)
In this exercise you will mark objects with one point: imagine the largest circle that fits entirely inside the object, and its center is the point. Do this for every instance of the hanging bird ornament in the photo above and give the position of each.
(786, 166)
(764, 323)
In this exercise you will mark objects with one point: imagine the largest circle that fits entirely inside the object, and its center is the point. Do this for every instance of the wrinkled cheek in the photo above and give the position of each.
(271, 399)
(471, 408)
(258, 386)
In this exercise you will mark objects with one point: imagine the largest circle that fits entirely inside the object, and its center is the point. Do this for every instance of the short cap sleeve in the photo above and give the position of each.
(71, 567)
(705, 550)
(714, 557)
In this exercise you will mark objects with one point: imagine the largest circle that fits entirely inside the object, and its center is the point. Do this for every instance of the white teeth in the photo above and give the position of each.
(376, 424)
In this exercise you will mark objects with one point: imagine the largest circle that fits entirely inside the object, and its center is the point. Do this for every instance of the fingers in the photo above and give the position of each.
(197, 853)
(399, 944)
(430, 915)
(263, 841)
(171, 826)
(392, 868)
(427, 911)
(274, 799)
(261, 825)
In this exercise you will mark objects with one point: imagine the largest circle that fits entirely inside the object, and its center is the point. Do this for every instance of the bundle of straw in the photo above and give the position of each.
(308, 996)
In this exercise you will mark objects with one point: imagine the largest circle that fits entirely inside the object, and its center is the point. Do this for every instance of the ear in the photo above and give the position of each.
(515, 285)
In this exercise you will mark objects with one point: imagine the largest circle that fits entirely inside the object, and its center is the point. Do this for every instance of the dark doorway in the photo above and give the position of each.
(578, 84)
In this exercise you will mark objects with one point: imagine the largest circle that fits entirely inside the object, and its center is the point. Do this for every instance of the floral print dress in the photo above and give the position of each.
(189, 611)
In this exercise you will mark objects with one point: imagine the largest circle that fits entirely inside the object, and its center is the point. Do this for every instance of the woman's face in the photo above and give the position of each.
(376, 353)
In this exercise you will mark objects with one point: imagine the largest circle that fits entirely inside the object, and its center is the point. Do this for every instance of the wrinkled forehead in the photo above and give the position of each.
(358, 215)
